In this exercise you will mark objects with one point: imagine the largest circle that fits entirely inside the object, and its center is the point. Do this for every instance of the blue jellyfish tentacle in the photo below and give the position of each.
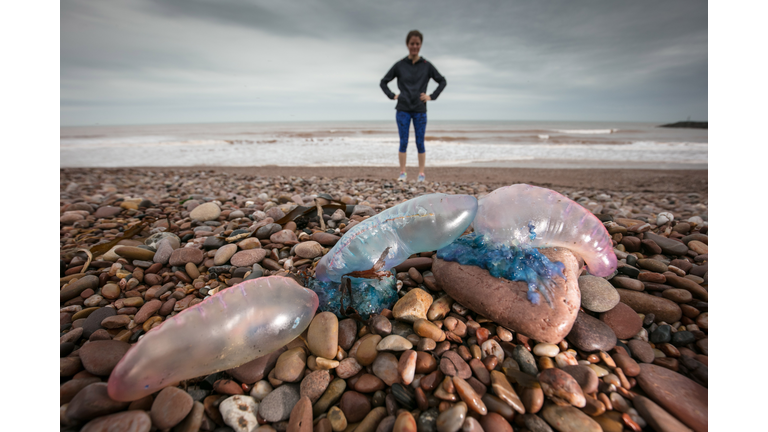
(515, 263)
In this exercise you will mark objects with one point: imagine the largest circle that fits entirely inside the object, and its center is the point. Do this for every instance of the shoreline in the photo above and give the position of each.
(629, 180)
(568, 164)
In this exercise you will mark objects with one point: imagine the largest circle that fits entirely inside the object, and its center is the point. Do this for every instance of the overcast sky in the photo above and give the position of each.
(186, 61)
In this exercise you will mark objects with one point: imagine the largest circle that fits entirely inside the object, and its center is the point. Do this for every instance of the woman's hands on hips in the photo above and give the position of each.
(423, 97)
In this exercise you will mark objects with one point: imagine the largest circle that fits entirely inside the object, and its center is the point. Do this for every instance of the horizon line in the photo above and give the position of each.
(377, 120)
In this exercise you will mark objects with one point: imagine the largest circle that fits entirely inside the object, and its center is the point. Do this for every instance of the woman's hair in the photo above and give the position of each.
(414, 33)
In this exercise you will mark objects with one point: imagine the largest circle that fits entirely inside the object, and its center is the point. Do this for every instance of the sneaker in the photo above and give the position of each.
(402, 177)
(421, 178)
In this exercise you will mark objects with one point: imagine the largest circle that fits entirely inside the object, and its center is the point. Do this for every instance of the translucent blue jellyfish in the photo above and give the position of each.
(226, 330)
(365, 296)
(422, 224)
(513, 222)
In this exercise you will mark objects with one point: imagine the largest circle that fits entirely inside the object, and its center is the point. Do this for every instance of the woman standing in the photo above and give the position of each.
(413, 74)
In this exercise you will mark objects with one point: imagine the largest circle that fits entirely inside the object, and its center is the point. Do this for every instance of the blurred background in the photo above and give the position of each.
(298, 82)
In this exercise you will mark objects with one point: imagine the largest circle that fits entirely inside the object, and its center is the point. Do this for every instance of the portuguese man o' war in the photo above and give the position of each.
(259, 316)
(226, 330)
(525, 215)
(513, 221)
(381, 242)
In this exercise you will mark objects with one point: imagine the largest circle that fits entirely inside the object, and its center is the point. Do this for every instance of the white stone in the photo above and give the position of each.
(260, 390)
(205, 212)
(239, 412)
(546, 350)
(491, 347)
(664, 217)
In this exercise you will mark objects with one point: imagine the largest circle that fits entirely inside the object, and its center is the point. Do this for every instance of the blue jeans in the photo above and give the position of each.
(404, 124)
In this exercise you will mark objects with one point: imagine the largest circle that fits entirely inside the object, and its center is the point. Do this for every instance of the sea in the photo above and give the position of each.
(542, 144)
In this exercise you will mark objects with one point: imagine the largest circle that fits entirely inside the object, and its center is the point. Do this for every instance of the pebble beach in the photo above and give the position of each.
(140, 245)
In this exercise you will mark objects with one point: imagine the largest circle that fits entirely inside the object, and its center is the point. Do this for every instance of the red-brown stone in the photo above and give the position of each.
(506, 302)
(624, 321)
(680, 396)
(355, 406)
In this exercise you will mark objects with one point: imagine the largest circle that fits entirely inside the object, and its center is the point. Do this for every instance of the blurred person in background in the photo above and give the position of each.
(413, 73)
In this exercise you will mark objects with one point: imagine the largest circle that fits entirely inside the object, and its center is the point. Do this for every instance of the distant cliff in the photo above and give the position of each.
(687, 124)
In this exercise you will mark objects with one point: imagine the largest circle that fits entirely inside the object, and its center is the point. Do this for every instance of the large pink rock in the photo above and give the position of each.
(506, 302)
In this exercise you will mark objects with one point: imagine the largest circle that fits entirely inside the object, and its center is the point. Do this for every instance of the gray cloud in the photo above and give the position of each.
(146, 61)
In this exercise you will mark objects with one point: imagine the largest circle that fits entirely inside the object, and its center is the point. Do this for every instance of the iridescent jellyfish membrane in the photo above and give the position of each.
(258, 316)
(226, 330)
(513, 222)
(359, 262)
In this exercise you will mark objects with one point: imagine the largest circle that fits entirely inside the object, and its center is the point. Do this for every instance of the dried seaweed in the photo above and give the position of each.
(300, 211)
(88, 262)
(103, 248)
